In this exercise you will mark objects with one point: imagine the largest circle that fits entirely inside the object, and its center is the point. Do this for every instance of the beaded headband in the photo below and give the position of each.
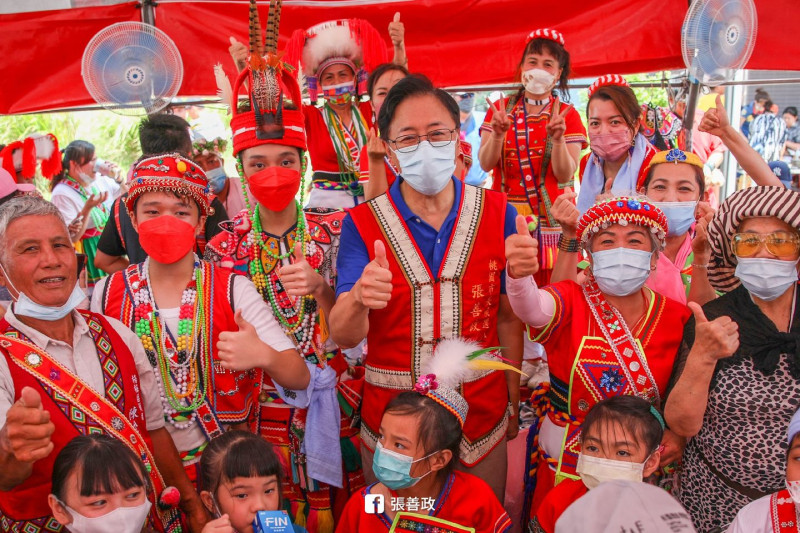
(170, 173)
(623, 211)
(546, 33)
(608, 79)
(453, 362)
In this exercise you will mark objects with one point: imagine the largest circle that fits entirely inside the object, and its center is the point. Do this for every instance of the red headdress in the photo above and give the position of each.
(170, 173)
(275, 115)
(21, 156)
(608, 79)
(546, 33)
(623, 210)
(352, 42)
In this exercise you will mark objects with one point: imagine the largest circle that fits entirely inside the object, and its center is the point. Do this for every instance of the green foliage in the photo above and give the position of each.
(656, 96)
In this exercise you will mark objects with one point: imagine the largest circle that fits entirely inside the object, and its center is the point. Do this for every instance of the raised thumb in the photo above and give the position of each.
(298, 253)
(396, 17)
(697, 311)
(720, 106)
(30, 398)
(233, 40)
(240, 321)
(380, 254)
(522, 226)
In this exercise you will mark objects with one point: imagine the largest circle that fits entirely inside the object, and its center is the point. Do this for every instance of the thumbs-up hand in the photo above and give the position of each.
(715, 339)
(374, 289)
(239, 53)
(397, 32)
(299, 278)
(27, 433)
(522, 252)
(240, 350)
(566, 214)
(715, 120)
(557, 126)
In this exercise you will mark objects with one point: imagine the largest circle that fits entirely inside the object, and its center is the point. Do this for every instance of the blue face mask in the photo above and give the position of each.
(216, 179)
(24, 306)
(680, 216)
(394, 469)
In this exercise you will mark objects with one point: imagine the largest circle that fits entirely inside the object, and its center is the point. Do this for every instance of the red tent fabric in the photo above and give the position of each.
(454, 42)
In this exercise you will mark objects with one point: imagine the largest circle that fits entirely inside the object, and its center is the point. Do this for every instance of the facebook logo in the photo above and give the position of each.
(373, 504)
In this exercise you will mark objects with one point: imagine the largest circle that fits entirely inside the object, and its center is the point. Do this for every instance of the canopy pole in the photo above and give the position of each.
(688, 114)
(148, 8)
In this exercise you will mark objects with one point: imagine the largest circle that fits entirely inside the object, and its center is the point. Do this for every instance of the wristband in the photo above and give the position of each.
(697, 265)
(568, 245)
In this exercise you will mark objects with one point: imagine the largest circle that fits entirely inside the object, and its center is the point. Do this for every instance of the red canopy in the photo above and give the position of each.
(454, 42)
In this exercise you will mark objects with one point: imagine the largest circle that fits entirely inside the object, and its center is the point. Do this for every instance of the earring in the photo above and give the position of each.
(633, 142)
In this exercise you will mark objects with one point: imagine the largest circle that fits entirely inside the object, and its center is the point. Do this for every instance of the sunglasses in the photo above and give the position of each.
(779, 243)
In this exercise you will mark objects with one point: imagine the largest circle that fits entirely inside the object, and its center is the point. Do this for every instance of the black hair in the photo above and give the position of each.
(408, 87)
(792, 110)
(439, 429)
(164, 133)
(379, 71)
(632, 413)
(699, 177)
(623, 98)
(237, 453)
(768, 105)
(761, 94)
(105, 465)
(557, 50)
(79, 151)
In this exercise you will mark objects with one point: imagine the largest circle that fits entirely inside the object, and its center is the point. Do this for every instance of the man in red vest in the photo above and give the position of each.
(426, 262)
(65, 372)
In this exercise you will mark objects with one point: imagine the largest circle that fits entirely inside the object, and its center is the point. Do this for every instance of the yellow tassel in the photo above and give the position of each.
(323, 326)
(300, 514)
(484, 364)
(325, 521)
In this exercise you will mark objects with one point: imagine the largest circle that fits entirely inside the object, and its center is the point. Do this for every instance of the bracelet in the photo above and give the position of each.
(568, 245)
(698, 265)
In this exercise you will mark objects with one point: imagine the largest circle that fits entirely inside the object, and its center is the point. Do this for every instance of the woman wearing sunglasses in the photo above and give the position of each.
(737, 379)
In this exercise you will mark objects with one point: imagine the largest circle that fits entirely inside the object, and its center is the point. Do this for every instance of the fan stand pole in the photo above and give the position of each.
(688, 115)
(148, 12)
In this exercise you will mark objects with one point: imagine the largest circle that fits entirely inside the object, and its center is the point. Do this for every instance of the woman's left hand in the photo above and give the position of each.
(557, 126)
(673, 446)
(397, 31)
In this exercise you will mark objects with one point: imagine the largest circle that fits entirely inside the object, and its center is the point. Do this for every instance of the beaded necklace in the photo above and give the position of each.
(184, 364)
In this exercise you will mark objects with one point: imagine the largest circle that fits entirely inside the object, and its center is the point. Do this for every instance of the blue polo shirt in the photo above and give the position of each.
(353, 255)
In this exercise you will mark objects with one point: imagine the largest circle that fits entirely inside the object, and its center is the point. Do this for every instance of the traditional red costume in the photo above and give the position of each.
(462, 299)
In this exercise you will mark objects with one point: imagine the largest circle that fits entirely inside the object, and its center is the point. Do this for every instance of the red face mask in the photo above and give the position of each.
(274, 187)
(166, 239)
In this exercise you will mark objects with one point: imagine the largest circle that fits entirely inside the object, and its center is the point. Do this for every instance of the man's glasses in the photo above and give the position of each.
(409, 143)
(779, 243)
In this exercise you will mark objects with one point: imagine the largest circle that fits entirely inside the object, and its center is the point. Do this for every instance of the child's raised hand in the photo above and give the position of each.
(219, 525)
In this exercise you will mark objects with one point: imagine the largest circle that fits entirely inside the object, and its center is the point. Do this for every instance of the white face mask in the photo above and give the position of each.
(86, 178)
(120, 520)
(794, 490)
(621, 271)
(24, 306)
(428, 169)
(766, 278)
(596, 470)
(680, 216)
(538, 81)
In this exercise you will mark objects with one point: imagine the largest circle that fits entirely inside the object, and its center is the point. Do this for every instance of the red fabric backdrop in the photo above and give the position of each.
(455, 42)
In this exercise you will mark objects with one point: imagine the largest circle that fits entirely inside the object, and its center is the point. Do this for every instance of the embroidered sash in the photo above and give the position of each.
(68, 387)
(783, 513)
(405, 522)
(206, 417)
(628, 352)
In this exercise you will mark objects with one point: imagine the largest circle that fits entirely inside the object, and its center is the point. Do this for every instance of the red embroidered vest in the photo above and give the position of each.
(27, 502)
(462, 299)
(234, 393)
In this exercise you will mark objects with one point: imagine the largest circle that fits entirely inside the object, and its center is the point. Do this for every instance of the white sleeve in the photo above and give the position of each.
(532, 305)
(151, 395)
(257, 313)
(753, 518)
(68, 205)
(96, 305)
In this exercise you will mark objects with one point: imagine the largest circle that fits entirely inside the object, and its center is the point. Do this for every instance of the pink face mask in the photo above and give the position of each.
(610, 146)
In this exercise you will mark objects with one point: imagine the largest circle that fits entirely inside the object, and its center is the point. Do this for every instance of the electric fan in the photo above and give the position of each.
(132, 68)
(717, 38)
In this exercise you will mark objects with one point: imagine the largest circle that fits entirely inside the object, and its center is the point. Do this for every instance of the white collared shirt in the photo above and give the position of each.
(82, 360)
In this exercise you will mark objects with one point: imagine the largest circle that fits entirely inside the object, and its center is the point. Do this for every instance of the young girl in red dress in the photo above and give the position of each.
(620, 439)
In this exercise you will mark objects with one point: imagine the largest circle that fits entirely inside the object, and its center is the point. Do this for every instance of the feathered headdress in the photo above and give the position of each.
(20, 157)
(352, 42)
(453, 362)
(275, 115)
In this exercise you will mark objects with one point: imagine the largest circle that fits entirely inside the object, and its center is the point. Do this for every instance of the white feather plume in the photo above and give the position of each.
(330, 40)
(43, 144)
(449, 362)
(224, 89)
